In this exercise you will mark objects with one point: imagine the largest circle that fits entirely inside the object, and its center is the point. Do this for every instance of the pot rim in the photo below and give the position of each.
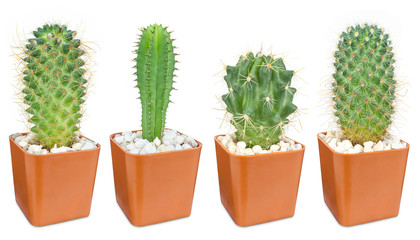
(98, 147)
(111, 137)
(262, 154)
(348, 154)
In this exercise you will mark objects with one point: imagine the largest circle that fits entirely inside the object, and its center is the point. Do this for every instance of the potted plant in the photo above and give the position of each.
(154, 169)
(54, 167)
(258, 167)
(363, 166)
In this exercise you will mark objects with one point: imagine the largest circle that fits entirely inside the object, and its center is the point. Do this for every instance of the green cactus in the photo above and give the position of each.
(259, 98)
(155, 71)
(364, 84)
(54, 84)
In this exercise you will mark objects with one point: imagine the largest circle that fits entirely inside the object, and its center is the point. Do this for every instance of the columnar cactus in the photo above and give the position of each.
(259, 98)
(364, 84)
(54, 84)
(155, 71)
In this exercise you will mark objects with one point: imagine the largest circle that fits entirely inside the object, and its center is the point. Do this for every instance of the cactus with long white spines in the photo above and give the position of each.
(364, 85)
(54, 84)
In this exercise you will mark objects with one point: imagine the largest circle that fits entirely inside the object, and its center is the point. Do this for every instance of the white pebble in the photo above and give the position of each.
(88, 145)
(119, 139)
(333, 143)
(148, 149)
(61, 149)
(140, 143)
(220, 138)
(256, 149)
(347, 144)
(379, 146)
(131, 146)
(77, 146)
(368, 144)
(322, 136)
(264, 151)
(134, 151)
(225, 142)
(248, 151)
(157, 142)
(232, 148)
(186, 146)
(23, 143)
(274, 148)
(191, 141)
(179, 139)
(241, 145)
(178, 147)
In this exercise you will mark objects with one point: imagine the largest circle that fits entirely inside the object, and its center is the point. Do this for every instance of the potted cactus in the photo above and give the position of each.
(154, 169)
(54, 167)
(258, 167)
(363, 166)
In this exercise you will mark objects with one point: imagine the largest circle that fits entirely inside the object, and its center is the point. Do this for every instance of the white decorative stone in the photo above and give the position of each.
(379, 146)
(232, 148)
(241, 145)
(119, 139)
(186, 146)
(77, 146)
(23, 144)
(157, 142)
(248, 151)
(179, 139)
(140, 143)
(256, 149)
(61, 149)
(274, 148)
(148, 149)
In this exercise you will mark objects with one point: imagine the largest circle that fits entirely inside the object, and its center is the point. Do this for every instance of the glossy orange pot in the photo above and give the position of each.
(363, 187)
(56, 187)
(154, 188)
(258, 188)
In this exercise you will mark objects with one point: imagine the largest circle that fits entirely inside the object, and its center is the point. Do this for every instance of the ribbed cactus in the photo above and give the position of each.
(54, 84)
(155, 71)
(364, 86)
(259, 98)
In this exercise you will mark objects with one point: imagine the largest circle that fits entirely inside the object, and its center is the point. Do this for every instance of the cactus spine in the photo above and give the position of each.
(155, 71)
(259, 98)
(364, 85)
(54, 84)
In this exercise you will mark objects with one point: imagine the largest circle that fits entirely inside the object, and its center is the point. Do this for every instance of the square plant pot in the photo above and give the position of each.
(55, 187)
(154, 188)
(258, 188)
(363, 187)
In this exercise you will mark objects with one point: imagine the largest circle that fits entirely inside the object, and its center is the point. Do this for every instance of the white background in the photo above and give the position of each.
(209, 33)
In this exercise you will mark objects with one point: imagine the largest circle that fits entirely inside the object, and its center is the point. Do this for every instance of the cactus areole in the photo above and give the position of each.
(259, 98)
(155, 65)
(54, 84)
(364, 85)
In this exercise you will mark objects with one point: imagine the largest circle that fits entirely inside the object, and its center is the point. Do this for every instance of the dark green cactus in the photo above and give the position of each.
(259, 98)
(364, 84)
(155, 71)
(54, 84)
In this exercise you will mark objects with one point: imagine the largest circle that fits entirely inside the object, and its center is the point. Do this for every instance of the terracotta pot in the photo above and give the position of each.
(258, 188)
(363, 187)
(154, 188)
(56, 187)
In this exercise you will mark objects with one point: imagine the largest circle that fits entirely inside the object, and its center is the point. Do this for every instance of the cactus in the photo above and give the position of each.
(259, 98)
(54, 84)
(364, 85)
(155, 65)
